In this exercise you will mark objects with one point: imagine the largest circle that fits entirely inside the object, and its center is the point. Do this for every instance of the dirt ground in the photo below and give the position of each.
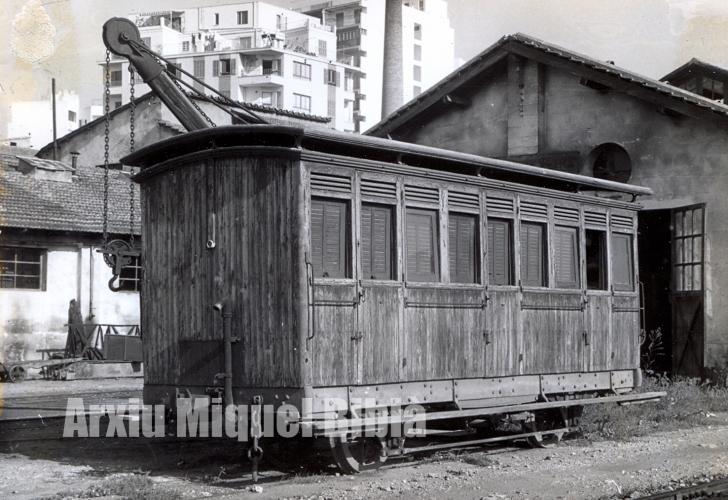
(574, 469)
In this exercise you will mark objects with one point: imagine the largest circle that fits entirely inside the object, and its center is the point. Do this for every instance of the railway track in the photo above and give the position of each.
(714, 490)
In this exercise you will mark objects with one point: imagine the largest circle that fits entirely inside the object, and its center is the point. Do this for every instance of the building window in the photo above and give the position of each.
(611, 162)
(22, 268)
(713, 89)
(217, 19)
(173, 67)
(329, 237)
(271, 67)
(266, 98)
(185, 46)
(417, 73)
(357, 16)
(302, 102)
(322, 50)
(622, 263)
(199, 68)
(246, 42)
(533, 254)
(340, 20)
(130, 278)
(377, 240)
(223, 67)
(596, 259)
(416, 90)
(423, 262)
(463, 248)
(418, 52)
(71, 116)
(566, 254)
(331, 76)
(500, 252)
(115, 78)
(302, 70)
(242, 17)
(418, 31)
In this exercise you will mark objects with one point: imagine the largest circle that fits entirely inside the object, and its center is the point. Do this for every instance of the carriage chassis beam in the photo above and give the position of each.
(342, 427)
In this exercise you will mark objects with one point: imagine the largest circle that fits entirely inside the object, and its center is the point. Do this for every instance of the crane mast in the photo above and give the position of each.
(121, 37)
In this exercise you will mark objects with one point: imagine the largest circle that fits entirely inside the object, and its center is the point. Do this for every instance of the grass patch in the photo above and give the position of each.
(128, 486)
(688, 403)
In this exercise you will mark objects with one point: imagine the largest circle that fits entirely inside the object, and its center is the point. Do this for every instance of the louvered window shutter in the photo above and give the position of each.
(422, 246)
(566, 255)
(622, 266)
(328, 238)
(215, 68)
(462, 248)
(232, 66)
(499, 252)
(532, 254)
(376, 242)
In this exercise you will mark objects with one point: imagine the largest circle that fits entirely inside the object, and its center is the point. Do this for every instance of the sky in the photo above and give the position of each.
(41, 39)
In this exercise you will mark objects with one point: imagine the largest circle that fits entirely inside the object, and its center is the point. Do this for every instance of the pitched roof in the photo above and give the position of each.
(38, 203)
(693, 64)
(640, 86)
(45, 150)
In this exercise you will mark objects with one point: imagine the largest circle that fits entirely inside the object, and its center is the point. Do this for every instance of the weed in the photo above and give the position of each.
(688, 403)
(127, 486)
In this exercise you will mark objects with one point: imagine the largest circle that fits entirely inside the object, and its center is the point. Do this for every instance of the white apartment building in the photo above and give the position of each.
(251, 52)
(399, 47)
(31, 122)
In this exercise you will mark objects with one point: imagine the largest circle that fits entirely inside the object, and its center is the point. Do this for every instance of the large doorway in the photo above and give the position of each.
(672, 275)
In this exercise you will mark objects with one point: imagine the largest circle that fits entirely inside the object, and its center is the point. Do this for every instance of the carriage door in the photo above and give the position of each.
(334, 292)
(380, 292)
(598, 297)
(688, 230)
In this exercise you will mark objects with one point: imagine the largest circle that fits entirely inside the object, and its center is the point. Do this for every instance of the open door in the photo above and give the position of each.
(688, 255)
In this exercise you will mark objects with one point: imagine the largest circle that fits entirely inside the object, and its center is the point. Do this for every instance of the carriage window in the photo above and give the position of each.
(596, 260)
(376, 242)
(533, 255)
(329, 236)
(500, 254)
(622, 262)
(566, 254)
(463, 248)
(423, 263)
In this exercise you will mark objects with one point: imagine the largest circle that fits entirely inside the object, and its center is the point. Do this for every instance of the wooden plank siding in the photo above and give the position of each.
(337, 326)
(404, 329)
(247, 206)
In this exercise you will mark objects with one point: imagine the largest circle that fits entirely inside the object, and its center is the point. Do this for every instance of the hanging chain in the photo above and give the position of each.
(196, 106)
(107, 98)
(132, 110)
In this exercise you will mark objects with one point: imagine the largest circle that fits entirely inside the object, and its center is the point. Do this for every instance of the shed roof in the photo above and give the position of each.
(695, 64)
(619, 78)
(29, 202)
(269, 110)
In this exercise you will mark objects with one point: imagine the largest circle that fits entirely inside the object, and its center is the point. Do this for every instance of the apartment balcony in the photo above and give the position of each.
(269, 79)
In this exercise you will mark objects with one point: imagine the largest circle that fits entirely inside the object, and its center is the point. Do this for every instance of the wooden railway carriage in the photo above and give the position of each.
(361, 271)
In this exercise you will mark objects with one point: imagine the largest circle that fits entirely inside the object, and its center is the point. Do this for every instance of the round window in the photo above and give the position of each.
(611, 162)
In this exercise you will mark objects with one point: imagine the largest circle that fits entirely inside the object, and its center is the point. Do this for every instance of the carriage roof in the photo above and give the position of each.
(365, 147)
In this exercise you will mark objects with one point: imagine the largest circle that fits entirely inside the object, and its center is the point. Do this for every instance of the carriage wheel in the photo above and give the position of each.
(358, 454)
(548, 441)
(16, 373)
